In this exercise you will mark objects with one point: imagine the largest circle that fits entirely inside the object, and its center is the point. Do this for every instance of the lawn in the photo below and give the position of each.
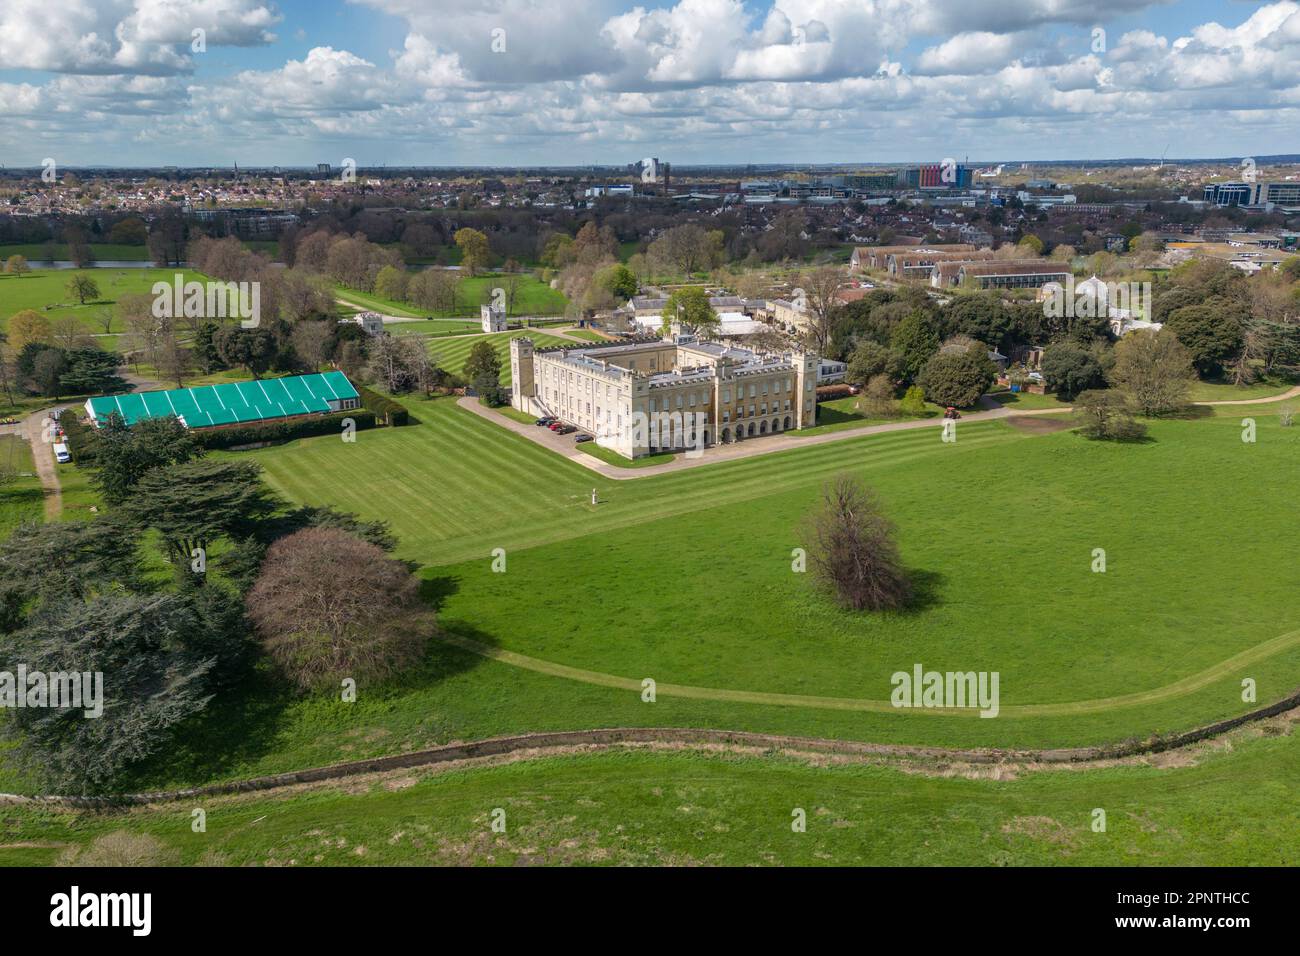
(1232, 807)
(45, 290)
(1227, 392)
(533, 297)
(1028, 401)
(452, 353)
(687, 578)
(839, 414)
(611, 457)
(21, 499)
(35, 254)
(434, 328)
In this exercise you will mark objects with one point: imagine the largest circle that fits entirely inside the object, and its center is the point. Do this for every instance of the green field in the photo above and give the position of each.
(1027, 401)
(21, 499)
(452, 353)
(686, 578)
(1000, 532)
(35, 254)
(839, 414)
(45, 290)
(533, 297)
(1226, 807)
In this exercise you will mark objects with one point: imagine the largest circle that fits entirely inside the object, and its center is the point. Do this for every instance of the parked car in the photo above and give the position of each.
(566, 429)
(543, 421)
(579, 439)
(555, 426)
(61, 453)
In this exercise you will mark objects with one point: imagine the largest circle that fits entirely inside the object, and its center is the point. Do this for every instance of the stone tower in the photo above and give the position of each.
(521, 373)
(806, 365)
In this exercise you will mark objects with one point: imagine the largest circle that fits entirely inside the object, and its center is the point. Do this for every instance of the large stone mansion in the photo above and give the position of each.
(688, 393)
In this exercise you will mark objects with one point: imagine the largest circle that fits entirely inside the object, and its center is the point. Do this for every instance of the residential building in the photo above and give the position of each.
(654, 394)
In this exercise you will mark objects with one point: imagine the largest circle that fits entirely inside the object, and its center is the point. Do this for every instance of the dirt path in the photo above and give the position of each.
(1292, 393)
(43, 456)
(1179, 688)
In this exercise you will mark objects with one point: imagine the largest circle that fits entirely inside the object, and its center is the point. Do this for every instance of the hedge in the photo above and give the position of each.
(387, 411)
(276, 431)
(828, 392)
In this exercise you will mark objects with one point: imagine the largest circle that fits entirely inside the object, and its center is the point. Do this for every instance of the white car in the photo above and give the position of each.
(61, 453)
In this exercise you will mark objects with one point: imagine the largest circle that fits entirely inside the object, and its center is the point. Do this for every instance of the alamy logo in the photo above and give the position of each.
(685, 430)
(103, 909)
(208, 300)
(955, 689)
(76, 690)
(1095, 299)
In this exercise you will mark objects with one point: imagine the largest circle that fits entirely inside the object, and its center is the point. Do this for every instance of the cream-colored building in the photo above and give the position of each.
(654, 395)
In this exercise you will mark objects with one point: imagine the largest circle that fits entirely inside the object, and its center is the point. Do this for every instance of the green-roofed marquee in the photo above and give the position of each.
(233, 402)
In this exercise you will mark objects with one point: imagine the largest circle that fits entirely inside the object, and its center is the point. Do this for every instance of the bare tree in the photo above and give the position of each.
(821, 295)
(330, 606)
(853, 551)
(313, 342)
(69, 333)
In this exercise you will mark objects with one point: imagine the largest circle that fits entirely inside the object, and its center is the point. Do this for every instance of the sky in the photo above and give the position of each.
(579, 82)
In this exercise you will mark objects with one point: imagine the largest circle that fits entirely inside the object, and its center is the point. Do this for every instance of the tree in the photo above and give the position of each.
(483, 360)
(28, 326)
(65, 560)
(123, 455)
(151, 681)
(313, 342)
(1031, 244)
(47, 372)
(690, 307)
(618, 280)
(173, 358)
(913, 402)
(1069, 369)
(434, 289)
(1106, 415)
(852, 549)
(474, 249)
(681, 250)
(877, 399)
(821, 295)
(92, 371)
(330, 606)
(129, 232)
(871, 359)
(914, 341)
(391, 283)
(958, 377)
(1154, 370)
(194, 503)
(1210, 332)
(16, 265)
(254, 349)
(83, 287)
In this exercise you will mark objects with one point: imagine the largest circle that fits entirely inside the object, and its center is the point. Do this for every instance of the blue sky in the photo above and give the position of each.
(589, 81)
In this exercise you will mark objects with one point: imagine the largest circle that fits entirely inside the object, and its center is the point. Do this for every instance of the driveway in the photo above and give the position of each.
(749, 448)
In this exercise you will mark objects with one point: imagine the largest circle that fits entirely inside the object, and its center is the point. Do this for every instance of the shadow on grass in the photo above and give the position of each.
(265, 713)
(927, 591)
(1188, 413)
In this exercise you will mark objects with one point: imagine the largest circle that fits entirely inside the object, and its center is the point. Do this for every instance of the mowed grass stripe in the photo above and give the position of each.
(455, 477)
(452, 353)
